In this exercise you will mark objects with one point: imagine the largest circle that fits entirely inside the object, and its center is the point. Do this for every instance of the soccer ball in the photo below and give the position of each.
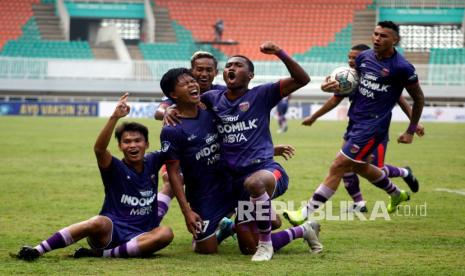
(347, 78)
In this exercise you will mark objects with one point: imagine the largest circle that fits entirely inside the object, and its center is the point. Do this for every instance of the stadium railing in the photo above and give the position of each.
(438, 80)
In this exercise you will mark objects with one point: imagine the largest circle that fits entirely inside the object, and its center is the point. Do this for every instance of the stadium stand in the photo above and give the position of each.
(312, 24)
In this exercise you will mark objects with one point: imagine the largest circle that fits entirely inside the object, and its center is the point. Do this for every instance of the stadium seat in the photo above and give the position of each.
(312, 24)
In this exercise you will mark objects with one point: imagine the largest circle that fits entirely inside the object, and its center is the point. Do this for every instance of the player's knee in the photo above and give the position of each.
(165, 234)
(255, 186)
(339, 166)
(98, 224)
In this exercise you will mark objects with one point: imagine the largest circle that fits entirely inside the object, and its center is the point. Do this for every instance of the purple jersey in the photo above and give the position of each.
(244, 125)
(194, 143)
(131, 197)
(380, 86)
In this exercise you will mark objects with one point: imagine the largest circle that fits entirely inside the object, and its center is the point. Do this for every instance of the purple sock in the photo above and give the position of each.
(352, 184)
(385, 183)
(129, 249)
(321, 195)
(282, 238)
(263, 216)
(163, 205)
(392, 171)
(60, 239)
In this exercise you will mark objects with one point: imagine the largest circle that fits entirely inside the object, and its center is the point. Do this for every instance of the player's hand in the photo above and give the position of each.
(286, 151)
(405, 138)
(202, 106)
(170, 118)
(122, 108)
(308, 121)
(269, 48)
(420, 131)
(331, 86)
(193, 222)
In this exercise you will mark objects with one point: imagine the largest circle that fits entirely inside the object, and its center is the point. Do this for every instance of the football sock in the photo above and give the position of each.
(263, 218)
(60, 239)
(282, 238)
(352, 185)
(385, 183)
(321, 195)
(163, 205)
(129, 249)
(395, 171)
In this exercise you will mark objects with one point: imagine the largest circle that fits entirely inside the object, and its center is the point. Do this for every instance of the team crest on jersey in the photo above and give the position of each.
(385, 72)
(244, 106)
(165, 145)
(354, 148)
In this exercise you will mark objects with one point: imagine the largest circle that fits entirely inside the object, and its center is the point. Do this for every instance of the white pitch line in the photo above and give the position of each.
(451, 191)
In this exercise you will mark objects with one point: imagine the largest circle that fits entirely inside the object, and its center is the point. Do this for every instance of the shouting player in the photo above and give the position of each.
(246, 144)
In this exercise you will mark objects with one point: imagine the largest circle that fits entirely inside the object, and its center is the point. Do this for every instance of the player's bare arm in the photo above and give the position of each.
(328, 106)
(100, 148)
(171, 116)
(299, 77)
(407, 109)
(193, 220)
(416, 93)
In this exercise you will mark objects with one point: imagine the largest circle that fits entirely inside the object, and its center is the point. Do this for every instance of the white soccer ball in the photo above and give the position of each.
(347, 79)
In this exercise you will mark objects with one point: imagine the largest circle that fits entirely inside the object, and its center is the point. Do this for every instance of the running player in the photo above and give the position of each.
(246, 144)
(384, 73)
(281, 110)
(127, 225)
(351, 180)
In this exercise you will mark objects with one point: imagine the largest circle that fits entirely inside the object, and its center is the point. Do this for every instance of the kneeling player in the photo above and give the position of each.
(127, 225)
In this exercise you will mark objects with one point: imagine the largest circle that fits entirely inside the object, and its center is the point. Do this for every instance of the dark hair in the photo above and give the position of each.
(203, 54)
(390, 25)
(360, 47)
(248, 61)
(131, 126)
(170, 79)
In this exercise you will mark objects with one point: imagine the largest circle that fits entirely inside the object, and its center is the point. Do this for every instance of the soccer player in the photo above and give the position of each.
(127, 225)
(281, 109)
(384, 73)
(246, 144)
(193, 146)
(204, 68)
(351, 181)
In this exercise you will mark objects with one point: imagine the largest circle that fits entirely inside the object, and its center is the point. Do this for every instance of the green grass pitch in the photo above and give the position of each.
(49, 179)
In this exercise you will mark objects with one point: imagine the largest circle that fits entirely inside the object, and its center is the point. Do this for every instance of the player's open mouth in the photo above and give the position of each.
(231, 75)
(194, 93)
(134, 153)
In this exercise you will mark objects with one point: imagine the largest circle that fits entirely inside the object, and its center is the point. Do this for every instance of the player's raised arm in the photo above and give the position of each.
(100, 148)
(416, 93)
(299, 77)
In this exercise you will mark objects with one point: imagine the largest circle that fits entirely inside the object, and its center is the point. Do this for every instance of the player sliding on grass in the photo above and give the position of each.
(350, 179)
(384, 73)
(246, 144)
(193, 145)
(127, 225)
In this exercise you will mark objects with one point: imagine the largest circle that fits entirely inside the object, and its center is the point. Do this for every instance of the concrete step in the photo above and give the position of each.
(104, 53)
